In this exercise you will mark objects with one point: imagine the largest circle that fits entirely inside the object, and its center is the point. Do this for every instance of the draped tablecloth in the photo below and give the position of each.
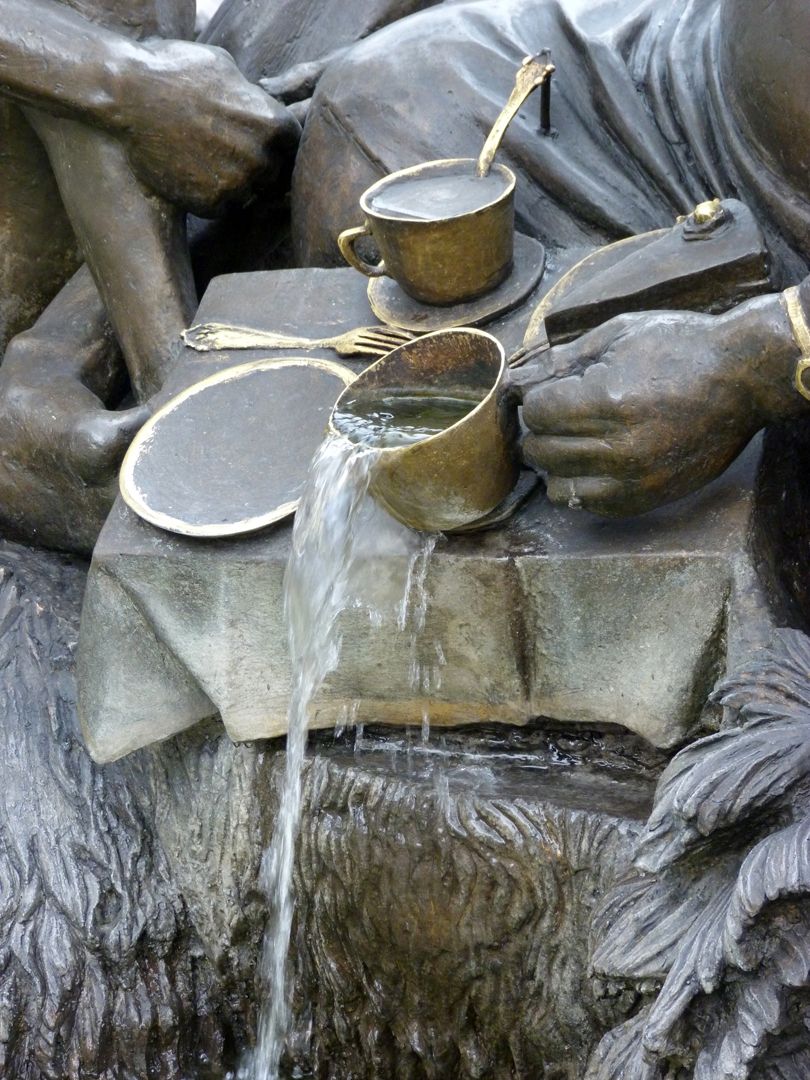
(555, 614)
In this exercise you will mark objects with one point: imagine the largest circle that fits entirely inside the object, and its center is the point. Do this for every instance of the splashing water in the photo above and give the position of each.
(337, 526)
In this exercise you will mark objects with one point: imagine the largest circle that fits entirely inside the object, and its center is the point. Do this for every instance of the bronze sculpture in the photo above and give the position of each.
(648, 407)
(92, 162)
(686, 154)
(640, 178)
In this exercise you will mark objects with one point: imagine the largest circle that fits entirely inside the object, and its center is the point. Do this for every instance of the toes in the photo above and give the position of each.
(101, 440)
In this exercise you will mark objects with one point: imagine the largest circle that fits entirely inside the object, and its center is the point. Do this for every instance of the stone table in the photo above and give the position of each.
(558, 614)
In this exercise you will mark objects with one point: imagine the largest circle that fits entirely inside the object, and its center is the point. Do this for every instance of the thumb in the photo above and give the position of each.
(294, 84)
(543, 364)
(125, 424)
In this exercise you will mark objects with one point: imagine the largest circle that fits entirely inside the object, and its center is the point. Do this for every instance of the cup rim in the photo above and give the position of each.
(423, 166)
(445, 431)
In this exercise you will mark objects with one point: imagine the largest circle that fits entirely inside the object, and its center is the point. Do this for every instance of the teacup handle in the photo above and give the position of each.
(346, 242)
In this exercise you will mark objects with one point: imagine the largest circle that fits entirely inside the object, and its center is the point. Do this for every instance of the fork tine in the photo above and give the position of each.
(390, 333)
(369, 350)
(375, 338)
(396, 332)
(378, 347)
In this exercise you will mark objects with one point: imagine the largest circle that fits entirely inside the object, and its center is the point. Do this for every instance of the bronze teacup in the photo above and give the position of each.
(461, 473)
(445, 256)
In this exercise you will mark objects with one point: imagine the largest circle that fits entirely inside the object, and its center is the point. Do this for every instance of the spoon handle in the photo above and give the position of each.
(533, 72)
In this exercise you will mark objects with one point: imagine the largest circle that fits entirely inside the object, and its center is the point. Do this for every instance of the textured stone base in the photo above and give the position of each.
(445, 905)
(444, 911)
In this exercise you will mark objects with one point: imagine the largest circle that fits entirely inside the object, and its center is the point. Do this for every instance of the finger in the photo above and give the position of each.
(281, 87)
(574, 357)
(293, 84)
(513, 387)
(535, 365)
(576, 405)
(599, 494)
(563, 455)
(124, 424)
(530, 370)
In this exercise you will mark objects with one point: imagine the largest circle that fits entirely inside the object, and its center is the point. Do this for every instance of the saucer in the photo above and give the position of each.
(523, 489)
(392, 305)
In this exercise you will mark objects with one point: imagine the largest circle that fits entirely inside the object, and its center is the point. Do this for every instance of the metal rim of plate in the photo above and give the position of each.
(592, 262)
(134, 498)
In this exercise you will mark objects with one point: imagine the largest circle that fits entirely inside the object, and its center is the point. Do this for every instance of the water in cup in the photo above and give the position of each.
(432, 197)
(399, 418)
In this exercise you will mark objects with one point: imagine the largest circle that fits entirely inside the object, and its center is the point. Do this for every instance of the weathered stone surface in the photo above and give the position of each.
(560, 615)
(445, 901)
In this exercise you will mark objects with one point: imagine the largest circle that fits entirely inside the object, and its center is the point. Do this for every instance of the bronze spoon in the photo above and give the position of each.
(533, 72)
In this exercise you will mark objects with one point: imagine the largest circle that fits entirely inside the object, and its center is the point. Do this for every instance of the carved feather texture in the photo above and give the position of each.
(722, 781)
(777, 868)
(618, 1056)
(747, 933)
(696, 969)
(644, 924)
(757, 1013)
(102, 973)
(791, 1062)
(757, 1003)
(775, 683)
(730, 777)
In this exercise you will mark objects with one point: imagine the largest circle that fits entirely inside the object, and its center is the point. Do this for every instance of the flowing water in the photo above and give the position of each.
(338, 527)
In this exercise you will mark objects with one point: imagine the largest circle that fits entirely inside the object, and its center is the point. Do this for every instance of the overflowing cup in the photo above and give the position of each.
(446, 449)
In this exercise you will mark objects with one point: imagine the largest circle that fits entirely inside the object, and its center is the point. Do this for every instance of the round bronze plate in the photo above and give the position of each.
(392, 305)
(230, 454)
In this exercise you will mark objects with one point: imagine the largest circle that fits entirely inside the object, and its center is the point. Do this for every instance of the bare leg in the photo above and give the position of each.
(60, 447)
(134, 243)
(38, 251)
(60, 441)
(68, 182)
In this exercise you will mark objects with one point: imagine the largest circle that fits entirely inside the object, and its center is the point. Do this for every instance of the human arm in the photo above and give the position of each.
(195, 130)
(650, 407)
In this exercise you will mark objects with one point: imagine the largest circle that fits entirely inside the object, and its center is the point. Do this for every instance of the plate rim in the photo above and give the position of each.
(132, 495)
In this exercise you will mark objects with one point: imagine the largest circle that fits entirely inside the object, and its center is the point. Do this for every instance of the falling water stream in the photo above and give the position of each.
(338, 527)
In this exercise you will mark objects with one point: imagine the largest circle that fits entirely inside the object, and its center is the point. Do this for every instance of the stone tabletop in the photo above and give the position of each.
(557, 614)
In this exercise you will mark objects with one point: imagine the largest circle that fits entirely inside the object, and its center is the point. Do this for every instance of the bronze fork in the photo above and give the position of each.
(364, 340)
